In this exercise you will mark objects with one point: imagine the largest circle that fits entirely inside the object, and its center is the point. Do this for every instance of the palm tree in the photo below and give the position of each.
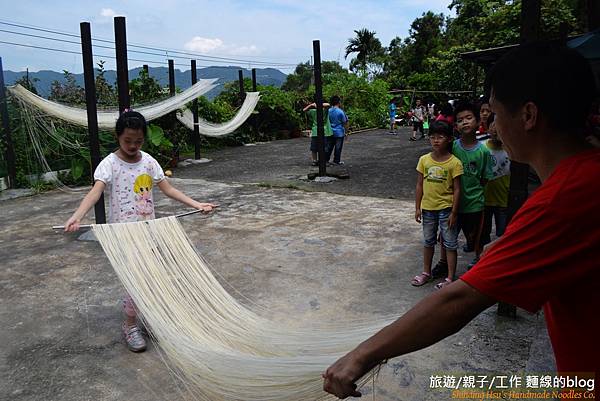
(366, 45)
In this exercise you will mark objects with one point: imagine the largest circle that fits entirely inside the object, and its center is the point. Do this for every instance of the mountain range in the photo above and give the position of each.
(183, 80)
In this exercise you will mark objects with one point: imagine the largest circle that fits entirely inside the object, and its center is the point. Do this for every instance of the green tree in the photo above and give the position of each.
(28, 83)
(302, 77)
(105, 92)
(429, 58)
(370, 54)
(146, 89)
(68, 92)
(408, 57)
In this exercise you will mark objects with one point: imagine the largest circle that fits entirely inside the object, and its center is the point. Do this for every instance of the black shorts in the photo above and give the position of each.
(470, 224)
(418, 126)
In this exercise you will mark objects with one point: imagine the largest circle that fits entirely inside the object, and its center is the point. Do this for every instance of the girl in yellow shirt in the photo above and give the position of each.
(436, 204)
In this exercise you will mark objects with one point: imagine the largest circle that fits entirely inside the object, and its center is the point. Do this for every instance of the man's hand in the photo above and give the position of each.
(339, 379)
(418, 215)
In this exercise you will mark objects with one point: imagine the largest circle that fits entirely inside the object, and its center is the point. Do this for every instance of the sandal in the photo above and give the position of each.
(443, 284)
(421, 279)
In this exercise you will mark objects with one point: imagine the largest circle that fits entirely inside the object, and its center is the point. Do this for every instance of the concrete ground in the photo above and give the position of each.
(305, 251)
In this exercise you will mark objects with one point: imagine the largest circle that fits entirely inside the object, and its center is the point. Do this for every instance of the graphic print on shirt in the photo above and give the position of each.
(471, 168)
(436, 174)
(500, 165)
(143, 196)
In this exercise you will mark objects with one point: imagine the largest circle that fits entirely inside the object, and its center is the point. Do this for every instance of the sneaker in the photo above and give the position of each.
(412, 138)
(338, 163)
(440, 269)
(133, 337)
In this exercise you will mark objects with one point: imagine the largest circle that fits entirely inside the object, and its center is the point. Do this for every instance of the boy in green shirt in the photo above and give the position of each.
(477, 166)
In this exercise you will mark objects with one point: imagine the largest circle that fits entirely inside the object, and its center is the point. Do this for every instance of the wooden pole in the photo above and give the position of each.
(241, 82)
(92, 116)
(122, 69)
(319, 103)
(195, 114)
(172, 116)
(530, 20)
(171, 78)
(10, 150)
(593, 13)
(253, 118)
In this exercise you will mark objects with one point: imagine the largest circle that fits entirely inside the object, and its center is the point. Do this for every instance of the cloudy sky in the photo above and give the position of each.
(277, 32)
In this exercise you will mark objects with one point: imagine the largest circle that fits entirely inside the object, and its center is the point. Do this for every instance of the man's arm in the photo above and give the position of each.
(436, 317)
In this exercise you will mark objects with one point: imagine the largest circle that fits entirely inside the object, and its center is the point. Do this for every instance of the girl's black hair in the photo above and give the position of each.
(131, 119)
(441, 127)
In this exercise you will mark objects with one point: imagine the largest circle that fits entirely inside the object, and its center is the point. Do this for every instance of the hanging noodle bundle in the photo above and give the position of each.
(107, 119)
(219, 348)
(212, 129)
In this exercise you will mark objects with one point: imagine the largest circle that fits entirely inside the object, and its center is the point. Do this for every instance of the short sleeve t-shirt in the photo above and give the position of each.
(392, 110)
(312, 116)
(548, 257)
(496, 190)
(338, 118)
(130, 187)
(477, 166)
(438, 184)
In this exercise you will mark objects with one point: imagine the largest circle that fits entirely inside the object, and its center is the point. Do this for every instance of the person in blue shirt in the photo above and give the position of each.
(339, 126)
(392, 109)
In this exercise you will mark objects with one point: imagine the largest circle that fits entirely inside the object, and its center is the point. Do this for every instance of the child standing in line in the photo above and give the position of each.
(130, 174)
(437, 198)
(311, 110)
(477, 166)
(496, 190)
(485, 119)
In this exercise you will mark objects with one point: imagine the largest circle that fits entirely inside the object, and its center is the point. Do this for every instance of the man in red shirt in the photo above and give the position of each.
(548, 255)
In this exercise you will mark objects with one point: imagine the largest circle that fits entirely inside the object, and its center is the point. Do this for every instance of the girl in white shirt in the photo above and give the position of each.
(130, 175)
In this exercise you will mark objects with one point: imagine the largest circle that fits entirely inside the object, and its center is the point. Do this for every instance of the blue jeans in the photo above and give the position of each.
(337, 142)
(500, 215)
(434, 219)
